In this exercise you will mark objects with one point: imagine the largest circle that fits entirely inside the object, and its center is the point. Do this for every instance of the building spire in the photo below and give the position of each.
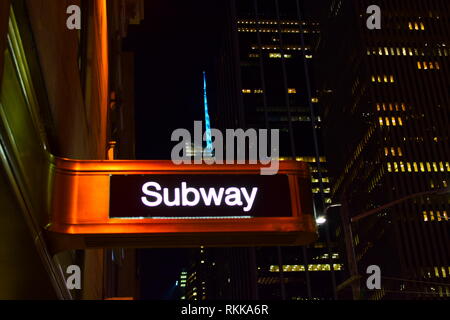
(209, 145)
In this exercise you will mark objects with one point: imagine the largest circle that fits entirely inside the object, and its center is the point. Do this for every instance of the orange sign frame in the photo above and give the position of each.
(80, 209)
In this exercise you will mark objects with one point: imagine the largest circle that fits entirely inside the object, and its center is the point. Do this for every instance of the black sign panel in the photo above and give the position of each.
(199, 196)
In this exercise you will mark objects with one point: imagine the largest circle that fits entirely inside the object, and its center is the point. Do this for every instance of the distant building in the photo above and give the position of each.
(263, 85)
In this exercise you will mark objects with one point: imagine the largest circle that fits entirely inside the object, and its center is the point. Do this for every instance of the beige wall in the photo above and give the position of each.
(79, 114)
(79, 117)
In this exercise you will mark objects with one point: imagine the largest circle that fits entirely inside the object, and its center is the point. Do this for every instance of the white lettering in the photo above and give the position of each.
(175, 202)
(250, 199)
(184, 196)
(158, 197)
(233, 193)
(212, 195)
(190, 197)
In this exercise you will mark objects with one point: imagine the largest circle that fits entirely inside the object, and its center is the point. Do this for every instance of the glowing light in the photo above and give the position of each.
(209, 145)
(321, 220)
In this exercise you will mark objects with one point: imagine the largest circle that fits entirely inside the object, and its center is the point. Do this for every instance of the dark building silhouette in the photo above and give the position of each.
(386, 119)
(263, 84)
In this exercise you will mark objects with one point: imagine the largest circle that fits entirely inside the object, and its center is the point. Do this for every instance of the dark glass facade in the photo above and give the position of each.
(386, 101)
(265, 81)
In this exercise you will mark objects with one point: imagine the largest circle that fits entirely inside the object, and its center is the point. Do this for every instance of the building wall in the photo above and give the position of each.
(54, 101)
(79, 113)
(387, 111)
(263, 84)
(4, 17)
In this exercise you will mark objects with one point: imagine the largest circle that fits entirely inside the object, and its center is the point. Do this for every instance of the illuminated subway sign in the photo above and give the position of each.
(231, 196)
(199, 196)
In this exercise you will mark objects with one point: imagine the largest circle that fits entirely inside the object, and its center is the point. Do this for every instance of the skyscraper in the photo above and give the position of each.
(264, 83)
(387, 104)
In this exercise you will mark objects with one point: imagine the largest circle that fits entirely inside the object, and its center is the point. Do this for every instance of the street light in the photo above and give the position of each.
(323, 218)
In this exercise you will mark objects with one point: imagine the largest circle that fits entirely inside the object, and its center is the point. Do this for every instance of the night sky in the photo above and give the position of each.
(174, 45)
(177, 42)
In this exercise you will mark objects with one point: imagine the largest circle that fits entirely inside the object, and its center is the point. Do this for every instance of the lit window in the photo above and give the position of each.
(292, 90)
(416, 26)
(419, 65)
(399, 151)
(394, 123)
(246, 91)
(437, 65)
(274, 55)
(422, 167)
(422, 26)
(395, 167)
(314, 100)
(400, 121)
(410, 26)
(408, 164)
(392, 79)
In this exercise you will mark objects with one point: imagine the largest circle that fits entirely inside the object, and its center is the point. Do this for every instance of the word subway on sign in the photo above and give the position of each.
(199, 196)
